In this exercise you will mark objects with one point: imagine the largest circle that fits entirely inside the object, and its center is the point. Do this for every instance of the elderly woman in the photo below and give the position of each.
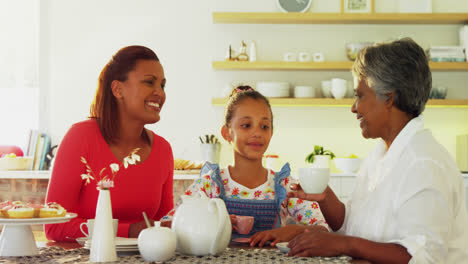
(409, 200)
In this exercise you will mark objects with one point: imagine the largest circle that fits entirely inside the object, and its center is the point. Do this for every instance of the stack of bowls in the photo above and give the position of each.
(273, 89)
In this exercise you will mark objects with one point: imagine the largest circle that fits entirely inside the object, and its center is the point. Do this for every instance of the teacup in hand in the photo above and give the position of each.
(90, 225)
(313, 180)
(244, 224)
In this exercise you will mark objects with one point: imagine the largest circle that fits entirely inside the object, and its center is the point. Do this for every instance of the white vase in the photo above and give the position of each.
(102, 243)
(321, 161)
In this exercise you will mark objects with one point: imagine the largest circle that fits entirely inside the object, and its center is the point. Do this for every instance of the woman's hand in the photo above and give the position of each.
(299, 193)
(317, 242)
(135, 228)
(282, 234)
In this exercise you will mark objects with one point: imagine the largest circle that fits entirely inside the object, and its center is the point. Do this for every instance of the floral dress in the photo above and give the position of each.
(293, 210)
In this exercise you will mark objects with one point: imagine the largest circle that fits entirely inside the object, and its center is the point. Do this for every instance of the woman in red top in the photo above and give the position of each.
(130, 94)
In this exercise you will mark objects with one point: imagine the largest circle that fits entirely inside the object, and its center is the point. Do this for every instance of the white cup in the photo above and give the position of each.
(326, 88)
(313, 180)
(304, 56)
(289, 56)
(319, 57)
(90, 225)
(339, 88)
(210, 152)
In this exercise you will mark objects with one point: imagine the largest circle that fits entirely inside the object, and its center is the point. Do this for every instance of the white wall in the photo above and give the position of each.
(79, 37)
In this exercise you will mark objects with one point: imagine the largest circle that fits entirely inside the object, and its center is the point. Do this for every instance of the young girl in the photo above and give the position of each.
(248, 188)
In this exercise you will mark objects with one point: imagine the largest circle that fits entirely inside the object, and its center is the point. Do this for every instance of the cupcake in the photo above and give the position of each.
(18, 210)
(52, 209)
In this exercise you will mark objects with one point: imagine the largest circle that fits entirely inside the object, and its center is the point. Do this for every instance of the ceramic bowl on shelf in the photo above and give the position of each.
(304, 91)
(273, 89)
(352, 49)
(15, 163)
(438, 93)
(348, 165)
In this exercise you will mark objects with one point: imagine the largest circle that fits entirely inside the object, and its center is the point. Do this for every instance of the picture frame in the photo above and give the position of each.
(357, 6)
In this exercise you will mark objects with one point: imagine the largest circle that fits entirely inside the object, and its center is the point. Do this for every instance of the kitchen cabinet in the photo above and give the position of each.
(343, 185)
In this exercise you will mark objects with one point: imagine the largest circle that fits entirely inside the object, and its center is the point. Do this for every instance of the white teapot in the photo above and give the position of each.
(202, 225)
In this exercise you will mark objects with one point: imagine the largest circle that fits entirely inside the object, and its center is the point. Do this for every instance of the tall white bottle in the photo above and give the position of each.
(253, 52)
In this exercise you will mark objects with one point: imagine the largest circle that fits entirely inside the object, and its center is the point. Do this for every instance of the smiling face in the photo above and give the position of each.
(141, 96)
(373, 114)
(250, 129)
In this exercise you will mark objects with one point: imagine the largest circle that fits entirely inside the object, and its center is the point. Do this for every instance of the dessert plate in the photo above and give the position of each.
(241, 240)
(29, 221)
(122, 244)
(17, 238)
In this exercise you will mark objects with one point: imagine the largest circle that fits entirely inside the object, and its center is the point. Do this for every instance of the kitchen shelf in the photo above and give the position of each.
(45, 174)
(338, 18)
(347, 102)
(318, 66)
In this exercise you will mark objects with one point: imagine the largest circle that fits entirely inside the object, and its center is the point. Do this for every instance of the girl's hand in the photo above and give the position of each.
(299, 193)
(233, 221)
(282, 234)
(317, 242)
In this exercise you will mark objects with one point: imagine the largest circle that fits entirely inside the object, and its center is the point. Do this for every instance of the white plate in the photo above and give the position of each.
(283, 247)
(82, 240)
(121, 244)
(30, 221)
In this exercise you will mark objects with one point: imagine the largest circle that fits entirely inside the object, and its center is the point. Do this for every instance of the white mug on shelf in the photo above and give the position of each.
(339, 88)
(90, 225)
(319, 57)
(304, 56)
(289, 56)
(326, 89)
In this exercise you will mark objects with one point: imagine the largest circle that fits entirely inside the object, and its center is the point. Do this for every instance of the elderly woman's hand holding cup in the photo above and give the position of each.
(313, 184)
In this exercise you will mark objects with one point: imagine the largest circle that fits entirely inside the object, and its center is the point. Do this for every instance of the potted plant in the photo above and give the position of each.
(320, 157)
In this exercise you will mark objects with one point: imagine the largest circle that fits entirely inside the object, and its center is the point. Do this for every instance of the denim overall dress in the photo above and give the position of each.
(265, 212)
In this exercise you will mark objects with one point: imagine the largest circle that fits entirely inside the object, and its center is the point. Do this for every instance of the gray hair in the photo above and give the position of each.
(401, 67)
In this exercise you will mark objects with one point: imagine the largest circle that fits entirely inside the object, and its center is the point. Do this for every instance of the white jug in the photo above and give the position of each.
(202, 225)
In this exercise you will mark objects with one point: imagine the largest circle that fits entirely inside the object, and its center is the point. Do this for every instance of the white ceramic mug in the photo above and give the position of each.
(90, 225)
(326, 88)
(313, 180)
(319, 57)
(339, 88)
(289, 56)
(304, 56)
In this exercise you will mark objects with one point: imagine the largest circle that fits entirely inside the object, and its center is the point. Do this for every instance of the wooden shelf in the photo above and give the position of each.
(338, 18)
(318, 66)
(347, 102)
(45, 174)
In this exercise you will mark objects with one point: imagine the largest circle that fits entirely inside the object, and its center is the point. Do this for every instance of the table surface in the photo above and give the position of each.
(72, 252)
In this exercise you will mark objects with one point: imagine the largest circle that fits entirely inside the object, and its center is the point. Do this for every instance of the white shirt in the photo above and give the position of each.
(412, 195)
